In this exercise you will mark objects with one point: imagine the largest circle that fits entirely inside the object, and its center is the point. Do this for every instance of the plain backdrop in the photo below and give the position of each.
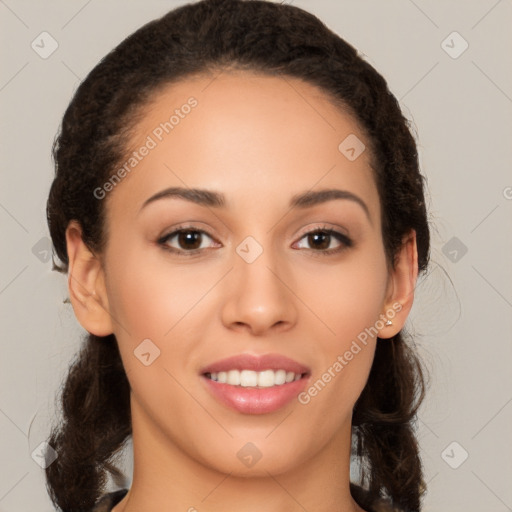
(449, 64)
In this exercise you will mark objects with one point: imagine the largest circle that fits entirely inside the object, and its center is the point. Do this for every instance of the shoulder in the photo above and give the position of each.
(108, 501)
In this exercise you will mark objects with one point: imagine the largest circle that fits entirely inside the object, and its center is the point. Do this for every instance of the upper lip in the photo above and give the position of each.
(257, 363)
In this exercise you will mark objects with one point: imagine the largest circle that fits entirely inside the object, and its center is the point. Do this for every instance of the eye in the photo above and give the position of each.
(321, 239)
(185, 239)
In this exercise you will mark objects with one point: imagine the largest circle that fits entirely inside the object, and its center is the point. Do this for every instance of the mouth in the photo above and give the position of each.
(255, 384)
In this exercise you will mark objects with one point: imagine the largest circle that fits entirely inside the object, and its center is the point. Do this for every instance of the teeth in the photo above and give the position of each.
(249, 378)
(280, 377)
(266, 379)
(233, 378)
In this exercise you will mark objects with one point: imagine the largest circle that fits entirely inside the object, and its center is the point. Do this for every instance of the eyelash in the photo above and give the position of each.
(346, 242)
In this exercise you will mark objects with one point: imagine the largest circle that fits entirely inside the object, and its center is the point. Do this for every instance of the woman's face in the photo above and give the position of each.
(246, 288)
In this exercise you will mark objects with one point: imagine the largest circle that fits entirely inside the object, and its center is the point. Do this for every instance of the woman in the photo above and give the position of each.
(240, 212)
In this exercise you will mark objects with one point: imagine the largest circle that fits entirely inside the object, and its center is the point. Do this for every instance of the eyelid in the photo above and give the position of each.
(325, 226)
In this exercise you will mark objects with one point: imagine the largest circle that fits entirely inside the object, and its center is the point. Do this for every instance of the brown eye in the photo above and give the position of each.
(320, 240)
(189, 239)
(185, 240)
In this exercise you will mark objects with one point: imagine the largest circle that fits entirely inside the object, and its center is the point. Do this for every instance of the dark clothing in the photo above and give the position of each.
(109, 501)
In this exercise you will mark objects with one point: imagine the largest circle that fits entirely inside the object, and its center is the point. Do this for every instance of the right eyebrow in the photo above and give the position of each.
(199, 196)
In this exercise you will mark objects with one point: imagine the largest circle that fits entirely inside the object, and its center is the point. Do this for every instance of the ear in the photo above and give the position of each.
(86, 284)
(401, 285)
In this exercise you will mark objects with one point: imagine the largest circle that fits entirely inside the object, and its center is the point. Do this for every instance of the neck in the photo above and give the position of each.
(167, 478)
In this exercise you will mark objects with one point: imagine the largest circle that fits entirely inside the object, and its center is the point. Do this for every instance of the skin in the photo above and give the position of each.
(259, 140)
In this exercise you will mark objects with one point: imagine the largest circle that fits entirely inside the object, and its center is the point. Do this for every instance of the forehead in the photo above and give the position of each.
(249, 135)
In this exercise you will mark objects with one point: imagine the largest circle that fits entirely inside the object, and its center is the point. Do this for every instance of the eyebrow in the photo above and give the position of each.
(214, 199)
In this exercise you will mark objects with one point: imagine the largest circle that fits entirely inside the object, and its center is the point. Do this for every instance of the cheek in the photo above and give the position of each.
(150, 296)
(154, 301)
(167, 305)
(348, 296)
(349, 299)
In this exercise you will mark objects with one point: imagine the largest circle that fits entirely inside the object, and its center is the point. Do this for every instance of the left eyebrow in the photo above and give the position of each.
(215, 199)
(312, 198)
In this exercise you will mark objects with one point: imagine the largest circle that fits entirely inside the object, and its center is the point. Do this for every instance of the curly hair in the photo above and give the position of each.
(210, 36)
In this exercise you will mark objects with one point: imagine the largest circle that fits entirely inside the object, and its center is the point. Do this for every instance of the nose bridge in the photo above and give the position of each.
(258, 296)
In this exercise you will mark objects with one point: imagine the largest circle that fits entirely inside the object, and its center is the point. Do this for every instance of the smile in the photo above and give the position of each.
(252, 384)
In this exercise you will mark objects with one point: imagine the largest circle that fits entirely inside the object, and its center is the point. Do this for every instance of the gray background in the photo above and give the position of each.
(461, 109)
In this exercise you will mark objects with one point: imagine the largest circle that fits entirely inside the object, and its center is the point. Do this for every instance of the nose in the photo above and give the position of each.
(259, 296)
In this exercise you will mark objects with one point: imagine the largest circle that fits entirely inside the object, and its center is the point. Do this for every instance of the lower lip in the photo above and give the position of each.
(255, 400)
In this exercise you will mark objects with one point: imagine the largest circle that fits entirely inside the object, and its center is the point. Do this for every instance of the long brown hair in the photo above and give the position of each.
(209, 36)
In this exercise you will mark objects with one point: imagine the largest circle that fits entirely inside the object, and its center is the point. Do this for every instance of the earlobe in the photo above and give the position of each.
(86, 284)
(402, 283)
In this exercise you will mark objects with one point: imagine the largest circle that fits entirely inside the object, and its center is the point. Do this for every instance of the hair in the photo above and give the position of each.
(212, 36)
